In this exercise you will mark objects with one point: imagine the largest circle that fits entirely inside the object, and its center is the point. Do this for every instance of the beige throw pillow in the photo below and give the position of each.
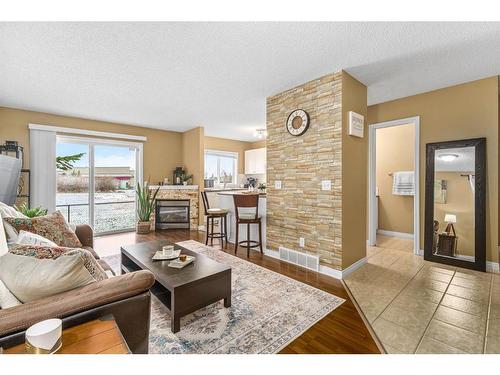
(29, 278)
(7, 299)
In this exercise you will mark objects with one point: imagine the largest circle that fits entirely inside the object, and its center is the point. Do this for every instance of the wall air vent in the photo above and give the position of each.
(300, 259)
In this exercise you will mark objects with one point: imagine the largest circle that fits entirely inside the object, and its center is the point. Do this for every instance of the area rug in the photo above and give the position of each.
(268, 311)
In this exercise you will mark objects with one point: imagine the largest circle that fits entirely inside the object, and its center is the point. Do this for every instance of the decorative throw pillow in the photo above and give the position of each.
(30, 279)
(48, 252)
(7, 299)
(8, 211)
(28, 238)
(52, 226)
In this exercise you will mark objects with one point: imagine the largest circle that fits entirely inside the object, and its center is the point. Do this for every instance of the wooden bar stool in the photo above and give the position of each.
(213, 214)
(247, 212)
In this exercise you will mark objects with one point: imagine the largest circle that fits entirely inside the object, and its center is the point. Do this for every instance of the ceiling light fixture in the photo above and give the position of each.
(260, 133)
(448, 157)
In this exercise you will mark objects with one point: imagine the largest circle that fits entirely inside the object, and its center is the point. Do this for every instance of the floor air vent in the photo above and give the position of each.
(301, 259)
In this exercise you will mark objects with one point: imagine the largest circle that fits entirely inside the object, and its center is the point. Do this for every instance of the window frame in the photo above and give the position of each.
(219, 154)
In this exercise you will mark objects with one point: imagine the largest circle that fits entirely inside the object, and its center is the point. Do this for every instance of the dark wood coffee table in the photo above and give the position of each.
(185, 290)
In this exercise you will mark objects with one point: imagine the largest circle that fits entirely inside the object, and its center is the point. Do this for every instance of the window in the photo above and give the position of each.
(221, 166)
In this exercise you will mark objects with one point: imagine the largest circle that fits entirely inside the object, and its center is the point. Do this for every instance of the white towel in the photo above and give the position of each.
(403, 183)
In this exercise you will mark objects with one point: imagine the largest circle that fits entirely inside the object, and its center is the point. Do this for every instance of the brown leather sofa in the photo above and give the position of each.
(126, 297)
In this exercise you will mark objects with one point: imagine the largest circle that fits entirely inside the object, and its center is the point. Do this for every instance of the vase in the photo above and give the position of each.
(143, 227)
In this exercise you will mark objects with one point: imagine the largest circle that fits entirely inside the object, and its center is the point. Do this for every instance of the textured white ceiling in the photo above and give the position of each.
(180, 75)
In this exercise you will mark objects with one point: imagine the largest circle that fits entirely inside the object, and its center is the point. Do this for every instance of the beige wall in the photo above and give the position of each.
(258, 144)
(394, 152)
(230, 145)
(162, 151)
(460, 202)
(354, 172)
(193, 154)
(465, 111)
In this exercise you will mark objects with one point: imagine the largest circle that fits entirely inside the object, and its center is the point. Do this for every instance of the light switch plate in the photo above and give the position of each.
(302, 242)
(277, 184)
(326, 185)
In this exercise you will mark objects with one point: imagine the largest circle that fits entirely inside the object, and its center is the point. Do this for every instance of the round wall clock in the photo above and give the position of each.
(297, 122)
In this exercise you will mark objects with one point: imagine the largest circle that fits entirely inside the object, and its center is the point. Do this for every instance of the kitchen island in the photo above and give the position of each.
(226, 202)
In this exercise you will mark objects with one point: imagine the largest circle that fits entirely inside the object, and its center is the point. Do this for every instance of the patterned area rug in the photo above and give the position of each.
(268, 311)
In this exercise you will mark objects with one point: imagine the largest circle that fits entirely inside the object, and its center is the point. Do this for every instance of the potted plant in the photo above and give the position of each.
(145, 206)
(31, 212)
(262, 187)
(185, 178)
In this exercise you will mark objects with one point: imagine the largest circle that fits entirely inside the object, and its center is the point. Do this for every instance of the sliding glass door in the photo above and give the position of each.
(96, 182)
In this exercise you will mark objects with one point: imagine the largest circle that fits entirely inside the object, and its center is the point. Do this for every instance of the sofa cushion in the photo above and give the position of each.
(30, 278)
(7, 299)
(52, 226)
(48, 252)
(28, 238)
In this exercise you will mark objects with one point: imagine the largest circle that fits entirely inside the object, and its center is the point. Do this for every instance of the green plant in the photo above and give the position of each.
(31, 212)
(262, 186)
(145, 201)
(186, 177)
(65, 163)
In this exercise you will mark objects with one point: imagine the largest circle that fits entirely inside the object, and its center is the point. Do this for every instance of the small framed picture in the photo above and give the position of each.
(356, 124)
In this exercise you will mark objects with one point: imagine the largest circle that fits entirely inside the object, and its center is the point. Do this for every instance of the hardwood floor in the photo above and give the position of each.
(341, 331)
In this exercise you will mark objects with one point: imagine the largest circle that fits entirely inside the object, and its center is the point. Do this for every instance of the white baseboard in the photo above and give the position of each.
(337, 274)
(353, 267)
(391, 233)
(491, 267)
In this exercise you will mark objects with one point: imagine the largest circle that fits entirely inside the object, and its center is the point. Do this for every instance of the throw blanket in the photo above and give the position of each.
(403, 183)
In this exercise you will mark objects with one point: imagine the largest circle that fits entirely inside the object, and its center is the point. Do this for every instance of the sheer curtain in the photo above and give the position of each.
(43, 169)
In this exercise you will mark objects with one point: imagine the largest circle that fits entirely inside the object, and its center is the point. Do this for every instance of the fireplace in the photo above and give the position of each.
(172, 213)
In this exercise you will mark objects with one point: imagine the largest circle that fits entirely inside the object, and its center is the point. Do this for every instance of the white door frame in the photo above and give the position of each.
(372, 162)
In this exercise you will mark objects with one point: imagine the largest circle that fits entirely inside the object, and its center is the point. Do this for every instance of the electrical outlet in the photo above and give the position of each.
(326, 185)
(302, 242)
(277, 184)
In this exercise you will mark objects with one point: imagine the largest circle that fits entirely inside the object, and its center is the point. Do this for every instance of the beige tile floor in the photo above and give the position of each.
(415, 306)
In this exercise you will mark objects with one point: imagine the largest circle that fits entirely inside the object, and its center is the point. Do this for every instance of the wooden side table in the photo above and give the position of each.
(100, 336)
(447, 244)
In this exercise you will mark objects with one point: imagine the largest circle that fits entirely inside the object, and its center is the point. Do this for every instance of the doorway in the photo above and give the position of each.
(393, 188)
(96, 182)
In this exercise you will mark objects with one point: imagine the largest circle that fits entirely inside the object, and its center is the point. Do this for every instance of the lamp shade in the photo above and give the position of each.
(450, 218)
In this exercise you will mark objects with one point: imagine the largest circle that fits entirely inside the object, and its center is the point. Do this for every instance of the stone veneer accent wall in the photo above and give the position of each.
(301, 208)
(191, 194)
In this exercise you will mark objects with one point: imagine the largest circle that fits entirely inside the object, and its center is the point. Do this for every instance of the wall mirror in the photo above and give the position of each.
(455, 203)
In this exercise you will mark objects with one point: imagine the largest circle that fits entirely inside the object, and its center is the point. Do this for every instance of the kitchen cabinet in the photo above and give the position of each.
(255, 161)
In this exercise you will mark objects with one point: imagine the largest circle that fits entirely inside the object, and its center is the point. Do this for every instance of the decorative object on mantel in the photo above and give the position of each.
(262, 187)
(178, 173)
(186, 178)
(145, 206)
(297, 122)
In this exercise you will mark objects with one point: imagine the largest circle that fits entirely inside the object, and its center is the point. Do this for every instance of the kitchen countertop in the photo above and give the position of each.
(216, 190)
(244, 192)
(174, 187)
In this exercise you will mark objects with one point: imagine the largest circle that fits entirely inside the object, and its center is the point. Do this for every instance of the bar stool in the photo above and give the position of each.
(213, 214)
(247, 212)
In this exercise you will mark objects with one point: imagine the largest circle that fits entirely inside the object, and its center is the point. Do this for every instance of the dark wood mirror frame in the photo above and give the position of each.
(479, 145)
